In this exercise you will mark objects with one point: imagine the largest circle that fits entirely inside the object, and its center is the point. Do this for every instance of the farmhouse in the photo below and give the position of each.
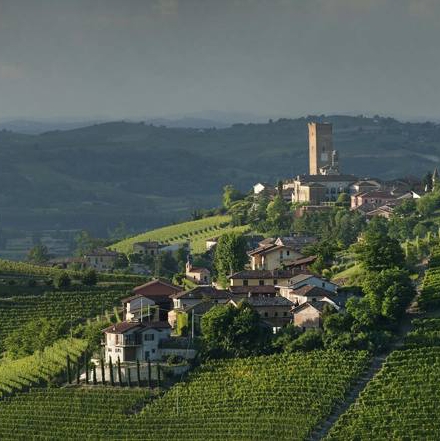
(184, 299)
(252, 278)
(274, 310)
(147, 248)
(131, 341)
(308, 315)
(272, 256)
(101, 259)
(310, 293)
(151, 298)
(309, 279)
(198, 275)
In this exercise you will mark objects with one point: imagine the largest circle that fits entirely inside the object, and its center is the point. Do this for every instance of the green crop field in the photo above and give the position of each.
(401, 402)
(280, 397)
(28, 270)
(430, 294)
(193, 232)
(74, 304)
(39, 367)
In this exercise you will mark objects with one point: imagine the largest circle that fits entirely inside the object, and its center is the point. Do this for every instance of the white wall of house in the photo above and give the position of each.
(134, 345)
(274, 259)
(315, 281)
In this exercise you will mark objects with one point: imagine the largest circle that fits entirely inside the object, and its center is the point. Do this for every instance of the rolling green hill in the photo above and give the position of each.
(194, 232)
(147, 176)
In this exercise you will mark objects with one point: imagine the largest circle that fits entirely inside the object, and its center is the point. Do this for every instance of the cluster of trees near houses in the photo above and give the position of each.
(368, 321)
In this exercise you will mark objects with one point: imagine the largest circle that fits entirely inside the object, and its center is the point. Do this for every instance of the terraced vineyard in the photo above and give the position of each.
(24, 372)
(23, 269)
(278, 397)
(195, 232)
(401, 402)
(66, 305)
(430, 294)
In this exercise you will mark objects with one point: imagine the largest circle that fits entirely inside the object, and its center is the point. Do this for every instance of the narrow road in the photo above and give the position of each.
(324, 427)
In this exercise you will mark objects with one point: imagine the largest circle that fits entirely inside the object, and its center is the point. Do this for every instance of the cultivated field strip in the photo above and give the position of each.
(279, 397)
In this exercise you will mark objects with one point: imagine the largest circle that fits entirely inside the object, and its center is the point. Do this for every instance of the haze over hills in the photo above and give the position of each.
(94, 177)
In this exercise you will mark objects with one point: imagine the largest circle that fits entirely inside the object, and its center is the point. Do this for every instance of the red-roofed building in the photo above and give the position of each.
(152, 297)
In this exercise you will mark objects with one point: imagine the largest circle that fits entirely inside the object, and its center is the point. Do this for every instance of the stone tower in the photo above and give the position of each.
(320, 147)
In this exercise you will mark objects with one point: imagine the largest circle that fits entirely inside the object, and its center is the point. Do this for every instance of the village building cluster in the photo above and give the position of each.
(320, 189)
(277, 282)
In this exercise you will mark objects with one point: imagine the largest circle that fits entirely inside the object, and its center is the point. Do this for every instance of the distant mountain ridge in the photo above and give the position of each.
(146, 175)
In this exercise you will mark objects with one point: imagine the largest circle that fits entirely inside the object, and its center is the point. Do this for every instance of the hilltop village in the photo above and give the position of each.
(282, 280)
(291, 296)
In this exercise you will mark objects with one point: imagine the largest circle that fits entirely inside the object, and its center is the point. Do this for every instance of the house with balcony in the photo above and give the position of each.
(136, 340)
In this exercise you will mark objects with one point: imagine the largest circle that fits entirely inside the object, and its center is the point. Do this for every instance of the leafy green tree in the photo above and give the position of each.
(122, 261)
(428, 203)
(230, 195)
(388, 292)
(230, 255)
(38, 254)
(86, 243)
(278, 216)
(378, 250)
(34, 335)
(308, 341)
(89, 277)
(343, 200)
(229, 331)
(63, 280)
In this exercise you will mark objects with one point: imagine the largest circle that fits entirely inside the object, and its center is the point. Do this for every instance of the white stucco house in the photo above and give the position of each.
(131, 341)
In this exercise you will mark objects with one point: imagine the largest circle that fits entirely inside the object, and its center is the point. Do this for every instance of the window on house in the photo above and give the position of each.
(266, 314)
(288, 252)
(275, 281)
(275, 314)
(245, 283)
(285, 314)
(149, 337)
(147, 355)
(261, 282)
(323, 284)
(153, 351)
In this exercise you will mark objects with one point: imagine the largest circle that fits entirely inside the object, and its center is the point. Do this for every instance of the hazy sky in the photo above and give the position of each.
(147, 58)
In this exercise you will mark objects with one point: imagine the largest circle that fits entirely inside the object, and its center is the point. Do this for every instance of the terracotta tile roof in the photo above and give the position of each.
(267, 289)
(122, 327)
(200, 292)
(102, 252)
(258, 301)
(262, 274)
(311, 291)
(318, 305)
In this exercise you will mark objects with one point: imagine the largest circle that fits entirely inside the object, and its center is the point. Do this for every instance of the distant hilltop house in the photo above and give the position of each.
(321, 187)
(147, 248)
(270, 256)
(199, 275)
(101, 259)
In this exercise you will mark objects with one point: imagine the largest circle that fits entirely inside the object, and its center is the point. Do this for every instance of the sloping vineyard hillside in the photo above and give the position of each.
(195, 232)
(401, 402)
(278, 397)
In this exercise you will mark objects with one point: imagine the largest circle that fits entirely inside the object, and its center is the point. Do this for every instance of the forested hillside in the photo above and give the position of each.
(97, 176)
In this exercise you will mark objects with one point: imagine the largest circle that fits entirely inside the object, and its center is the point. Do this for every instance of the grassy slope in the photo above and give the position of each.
(195, 232)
